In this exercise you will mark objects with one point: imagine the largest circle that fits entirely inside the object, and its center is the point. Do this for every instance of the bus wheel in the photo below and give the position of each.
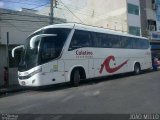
(137, 69)
(75, 78)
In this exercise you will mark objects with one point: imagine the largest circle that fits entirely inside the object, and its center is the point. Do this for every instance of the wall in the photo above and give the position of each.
(144, 29)
(151, 15)
(19, 25)
(134, 20)
(158, 15)
(102, 13)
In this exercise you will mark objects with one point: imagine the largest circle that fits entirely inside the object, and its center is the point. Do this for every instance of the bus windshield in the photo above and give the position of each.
(42, 47)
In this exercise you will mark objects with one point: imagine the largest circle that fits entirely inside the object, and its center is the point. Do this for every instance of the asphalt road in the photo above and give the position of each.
(118, 94)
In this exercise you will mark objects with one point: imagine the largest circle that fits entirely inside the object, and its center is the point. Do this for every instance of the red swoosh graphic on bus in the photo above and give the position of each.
(108, 68)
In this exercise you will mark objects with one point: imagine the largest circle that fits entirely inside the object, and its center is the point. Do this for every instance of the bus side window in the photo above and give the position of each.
(80, 39)
(136, 43)
(129, 43)
(106, 42)
(102, 41)
(114, 41)
(124, 42)
(95, 40)
(146, 44)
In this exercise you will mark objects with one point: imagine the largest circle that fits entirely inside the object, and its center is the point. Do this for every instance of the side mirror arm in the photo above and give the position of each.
(18, 47)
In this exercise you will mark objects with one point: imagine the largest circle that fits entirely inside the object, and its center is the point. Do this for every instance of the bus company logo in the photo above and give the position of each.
(107, 66)
(84, 54)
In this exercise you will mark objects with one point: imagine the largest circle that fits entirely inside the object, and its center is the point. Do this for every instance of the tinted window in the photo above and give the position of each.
(108, 40)
(96, 39)
(80, 39)
(103, 41)
(51, 46)
(48, 49)
(127, 43)
(146, 44)
(114, 41)
(140, 43)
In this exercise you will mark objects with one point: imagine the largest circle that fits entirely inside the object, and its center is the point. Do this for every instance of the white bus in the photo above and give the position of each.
(71, 52)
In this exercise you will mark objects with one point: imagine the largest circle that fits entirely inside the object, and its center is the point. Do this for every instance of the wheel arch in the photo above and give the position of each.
(136, 62)
(80, 67)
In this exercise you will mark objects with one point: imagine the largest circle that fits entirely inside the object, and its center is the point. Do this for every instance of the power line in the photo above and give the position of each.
(89, 11)
(89, 14)
(40, 6)
(71, 12)
(118, 20)
(71, 6)
(79, 12)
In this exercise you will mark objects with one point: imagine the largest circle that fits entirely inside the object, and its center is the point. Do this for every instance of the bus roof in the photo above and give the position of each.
(90, 28)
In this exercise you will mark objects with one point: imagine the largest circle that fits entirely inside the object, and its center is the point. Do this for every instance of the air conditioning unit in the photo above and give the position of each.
(152, 28)
(154, 6)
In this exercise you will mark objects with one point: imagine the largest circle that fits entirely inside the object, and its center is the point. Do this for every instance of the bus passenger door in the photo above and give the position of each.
(54, 72)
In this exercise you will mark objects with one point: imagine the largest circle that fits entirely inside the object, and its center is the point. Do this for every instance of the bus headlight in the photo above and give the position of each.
(35, 72)
(30, 75)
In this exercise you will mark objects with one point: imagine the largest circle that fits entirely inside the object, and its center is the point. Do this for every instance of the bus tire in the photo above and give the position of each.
(75, 78)
(137, 69)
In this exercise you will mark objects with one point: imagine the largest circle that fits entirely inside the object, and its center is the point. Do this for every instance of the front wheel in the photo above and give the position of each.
(137, 69)
(75, 80)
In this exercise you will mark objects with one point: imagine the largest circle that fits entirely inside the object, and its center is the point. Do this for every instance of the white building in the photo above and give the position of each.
(122, 15)
(150, 17)
(19, 25)
(153, 19)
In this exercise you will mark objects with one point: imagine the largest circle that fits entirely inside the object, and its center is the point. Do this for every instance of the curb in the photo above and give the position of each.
(12, 90)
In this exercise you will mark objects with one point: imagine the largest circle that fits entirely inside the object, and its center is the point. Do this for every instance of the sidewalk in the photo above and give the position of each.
(12, 89)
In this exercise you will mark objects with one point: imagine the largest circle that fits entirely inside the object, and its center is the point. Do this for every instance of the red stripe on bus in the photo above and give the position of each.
(107, 66)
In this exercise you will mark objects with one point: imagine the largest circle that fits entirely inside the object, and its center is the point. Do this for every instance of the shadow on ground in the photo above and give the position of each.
(94, 81)
(64, 86)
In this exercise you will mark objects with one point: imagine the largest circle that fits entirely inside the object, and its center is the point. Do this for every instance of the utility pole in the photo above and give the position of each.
(7, 49)
(7, 55)
(51, 12)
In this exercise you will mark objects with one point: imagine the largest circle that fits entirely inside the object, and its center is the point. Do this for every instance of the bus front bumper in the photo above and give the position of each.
(32, 81)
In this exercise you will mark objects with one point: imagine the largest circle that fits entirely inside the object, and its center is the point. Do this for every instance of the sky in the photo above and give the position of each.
(18, 4)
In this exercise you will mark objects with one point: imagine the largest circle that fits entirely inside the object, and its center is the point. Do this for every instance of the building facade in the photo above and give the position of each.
(19, 25)
(150, 19)
(134, 19)
(120, 15)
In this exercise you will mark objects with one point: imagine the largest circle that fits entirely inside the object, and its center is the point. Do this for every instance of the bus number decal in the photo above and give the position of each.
(107, 66)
